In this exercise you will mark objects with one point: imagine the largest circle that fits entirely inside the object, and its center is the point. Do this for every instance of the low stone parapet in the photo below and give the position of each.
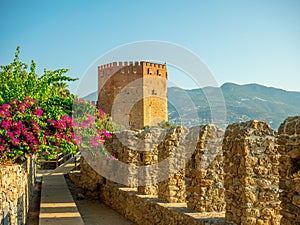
(16, 187)
(149, 210)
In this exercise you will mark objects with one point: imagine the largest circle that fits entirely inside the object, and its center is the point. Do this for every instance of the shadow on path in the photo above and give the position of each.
(93, 211)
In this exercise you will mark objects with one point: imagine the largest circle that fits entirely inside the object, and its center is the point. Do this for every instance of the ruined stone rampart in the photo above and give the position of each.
(289, 148)
(231, 178)
(251, 168)
(16, 187)
(204, 171)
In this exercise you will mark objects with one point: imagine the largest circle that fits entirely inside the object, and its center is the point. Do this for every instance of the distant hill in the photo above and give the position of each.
(243, 102)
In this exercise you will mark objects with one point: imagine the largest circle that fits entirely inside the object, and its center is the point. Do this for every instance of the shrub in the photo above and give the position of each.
(36, 115)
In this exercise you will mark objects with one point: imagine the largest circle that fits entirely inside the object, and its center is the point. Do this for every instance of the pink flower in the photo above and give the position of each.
(6, 124)
(94, 142)
(106, 133)
(85, 124)
(10, 134)
(91, 119)
(22, 107)
(5, 106)
(15, 141)
(38, 112)
(68, 139)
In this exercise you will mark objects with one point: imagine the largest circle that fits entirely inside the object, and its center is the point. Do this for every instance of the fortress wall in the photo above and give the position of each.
(171, 151)
(142, 204)
(149, 210)
(16, 189)
(256, 164)
(204, 171)
(251, 174)
(289, 148)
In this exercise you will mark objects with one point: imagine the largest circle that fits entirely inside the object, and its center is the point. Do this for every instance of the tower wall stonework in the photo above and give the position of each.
(134, 93)
(289, 148)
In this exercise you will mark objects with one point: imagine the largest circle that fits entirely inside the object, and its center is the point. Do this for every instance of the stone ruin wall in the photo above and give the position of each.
(204, 171)
(289, 148)
(165, 200)
(242, 176)
(171, 154)
(252, 179)
(167, 147)
(16, 187)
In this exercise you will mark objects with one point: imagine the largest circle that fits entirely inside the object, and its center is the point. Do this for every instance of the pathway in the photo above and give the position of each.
(57, 206)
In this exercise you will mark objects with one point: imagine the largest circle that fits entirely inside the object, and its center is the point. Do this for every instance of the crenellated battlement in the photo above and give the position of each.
(119, 64)
(131, 63)
(154, 65)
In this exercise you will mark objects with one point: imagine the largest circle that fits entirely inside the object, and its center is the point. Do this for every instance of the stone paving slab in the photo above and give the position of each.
(57, 206)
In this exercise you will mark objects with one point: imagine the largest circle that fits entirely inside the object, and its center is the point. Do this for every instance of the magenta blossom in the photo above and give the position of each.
(38, 112)
(6, 123)
(106, 133)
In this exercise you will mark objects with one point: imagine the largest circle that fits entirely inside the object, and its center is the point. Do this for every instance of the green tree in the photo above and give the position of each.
(49, 90)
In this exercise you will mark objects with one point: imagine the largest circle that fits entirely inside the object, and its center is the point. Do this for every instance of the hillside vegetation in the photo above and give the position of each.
(243, 102)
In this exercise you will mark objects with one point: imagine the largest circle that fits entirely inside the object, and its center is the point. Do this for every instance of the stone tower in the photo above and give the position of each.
(134, 94)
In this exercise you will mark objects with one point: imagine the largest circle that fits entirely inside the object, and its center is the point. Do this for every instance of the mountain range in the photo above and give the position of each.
(234, 102)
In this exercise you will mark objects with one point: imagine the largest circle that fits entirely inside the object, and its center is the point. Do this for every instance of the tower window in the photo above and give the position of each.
(149, 71)
(154, 92)
(158, 72)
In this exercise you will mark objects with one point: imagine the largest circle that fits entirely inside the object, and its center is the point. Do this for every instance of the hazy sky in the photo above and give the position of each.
(254, 41)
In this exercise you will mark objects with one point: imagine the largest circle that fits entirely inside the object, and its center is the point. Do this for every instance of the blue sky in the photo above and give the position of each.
(254, 41)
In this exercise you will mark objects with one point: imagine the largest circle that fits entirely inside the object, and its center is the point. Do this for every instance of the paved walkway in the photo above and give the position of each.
(93, 211)
(57, 206)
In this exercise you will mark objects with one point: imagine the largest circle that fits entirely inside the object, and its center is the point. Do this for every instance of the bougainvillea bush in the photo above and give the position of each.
(26, 130)
(36, 115)
(90, 126)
